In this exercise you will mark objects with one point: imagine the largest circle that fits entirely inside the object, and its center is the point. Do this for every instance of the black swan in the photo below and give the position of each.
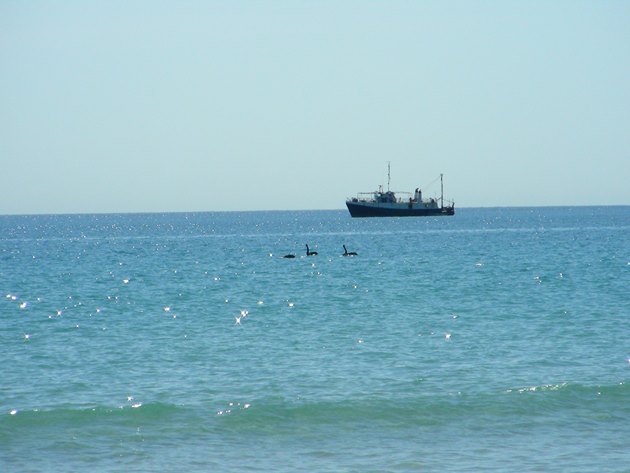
(345, 252)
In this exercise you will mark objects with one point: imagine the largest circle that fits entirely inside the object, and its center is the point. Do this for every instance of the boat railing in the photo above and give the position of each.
(369, 196)
(407, 196)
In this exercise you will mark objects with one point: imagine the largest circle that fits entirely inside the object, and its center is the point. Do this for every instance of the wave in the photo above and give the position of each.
(523, 403)
(520, 404)
(76, 417)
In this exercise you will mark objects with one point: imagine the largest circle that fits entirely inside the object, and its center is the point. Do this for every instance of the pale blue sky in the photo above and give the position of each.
(137, 106)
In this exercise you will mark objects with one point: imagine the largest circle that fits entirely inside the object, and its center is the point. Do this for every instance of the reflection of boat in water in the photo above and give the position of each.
(385, 204)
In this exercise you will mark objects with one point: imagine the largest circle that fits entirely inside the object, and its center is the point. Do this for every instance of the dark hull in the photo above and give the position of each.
(362, 210)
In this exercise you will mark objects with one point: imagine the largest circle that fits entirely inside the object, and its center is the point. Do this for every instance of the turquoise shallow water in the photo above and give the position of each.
(497, 339)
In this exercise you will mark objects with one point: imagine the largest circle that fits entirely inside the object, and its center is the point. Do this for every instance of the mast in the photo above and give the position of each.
(388, 174)
(442, 188)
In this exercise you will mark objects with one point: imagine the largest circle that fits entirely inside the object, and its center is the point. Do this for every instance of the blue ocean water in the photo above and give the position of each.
(494, 340)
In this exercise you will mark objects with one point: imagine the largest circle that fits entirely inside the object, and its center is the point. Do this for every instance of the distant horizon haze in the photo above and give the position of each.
(344, 210)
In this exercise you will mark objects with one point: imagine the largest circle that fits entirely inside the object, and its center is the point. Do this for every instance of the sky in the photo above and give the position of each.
(163, 106)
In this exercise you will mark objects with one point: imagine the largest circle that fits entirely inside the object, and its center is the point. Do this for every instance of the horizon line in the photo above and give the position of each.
(155, 212)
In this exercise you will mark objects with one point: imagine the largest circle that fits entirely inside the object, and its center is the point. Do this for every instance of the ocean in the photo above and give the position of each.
(494, 340)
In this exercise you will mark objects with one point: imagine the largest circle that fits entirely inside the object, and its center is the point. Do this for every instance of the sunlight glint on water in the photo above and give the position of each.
(186, 342)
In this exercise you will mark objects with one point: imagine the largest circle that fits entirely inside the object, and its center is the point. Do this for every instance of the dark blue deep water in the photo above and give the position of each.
(494, 340)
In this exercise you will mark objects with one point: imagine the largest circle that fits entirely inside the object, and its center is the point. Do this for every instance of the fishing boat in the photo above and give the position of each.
(382, 203)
